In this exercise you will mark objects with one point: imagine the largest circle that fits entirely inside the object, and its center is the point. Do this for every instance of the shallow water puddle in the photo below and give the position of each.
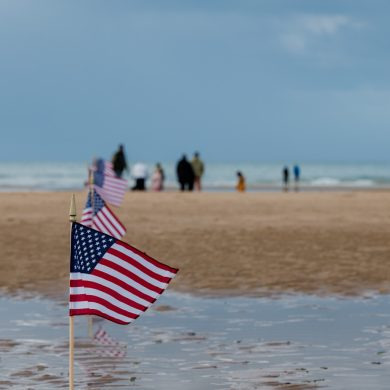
(296, 342)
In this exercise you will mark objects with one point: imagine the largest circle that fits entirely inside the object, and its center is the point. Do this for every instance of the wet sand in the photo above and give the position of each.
(223, 243)
(294, 343)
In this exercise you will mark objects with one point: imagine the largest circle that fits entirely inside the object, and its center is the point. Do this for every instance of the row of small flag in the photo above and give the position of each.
(105, 187)
(108, 277)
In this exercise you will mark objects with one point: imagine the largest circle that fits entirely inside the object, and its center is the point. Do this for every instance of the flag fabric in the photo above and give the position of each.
(100, 217)
(112, 279)
(110, 187)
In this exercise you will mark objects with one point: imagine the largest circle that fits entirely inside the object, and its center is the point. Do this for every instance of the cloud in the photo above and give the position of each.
(306, 30)
(295, 43)
(324, 24)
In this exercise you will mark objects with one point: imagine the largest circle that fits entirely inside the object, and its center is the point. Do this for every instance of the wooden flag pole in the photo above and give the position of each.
(91, 192)
(72, 218)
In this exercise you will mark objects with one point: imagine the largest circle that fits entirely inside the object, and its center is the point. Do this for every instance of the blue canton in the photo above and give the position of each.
(88, 247)
(98, 202)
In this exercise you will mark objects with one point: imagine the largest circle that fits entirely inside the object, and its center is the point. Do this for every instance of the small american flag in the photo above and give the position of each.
(112, 279)
(110, 187)
(100, 217)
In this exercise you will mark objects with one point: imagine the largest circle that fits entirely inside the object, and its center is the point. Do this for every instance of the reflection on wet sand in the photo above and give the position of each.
(293, 343)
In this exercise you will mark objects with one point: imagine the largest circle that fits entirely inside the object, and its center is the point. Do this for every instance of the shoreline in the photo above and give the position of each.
(48, 290)
(251, 188)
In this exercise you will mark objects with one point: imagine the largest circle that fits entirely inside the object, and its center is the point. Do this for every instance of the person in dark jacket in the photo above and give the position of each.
(119, 163)
(185, 174)
(286, 174)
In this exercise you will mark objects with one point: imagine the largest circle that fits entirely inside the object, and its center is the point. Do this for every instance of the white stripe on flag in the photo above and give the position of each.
(103, 295)
(109, 226)
(86, 217)
(114, 221)
(106, 283)
(125, 279)
(134, 270)
(143, 261)
(98, 306)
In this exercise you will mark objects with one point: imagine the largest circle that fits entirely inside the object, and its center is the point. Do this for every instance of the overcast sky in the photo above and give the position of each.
(261, 80)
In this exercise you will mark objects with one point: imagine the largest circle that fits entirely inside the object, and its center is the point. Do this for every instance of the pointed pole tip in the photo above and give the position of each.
(72, 209)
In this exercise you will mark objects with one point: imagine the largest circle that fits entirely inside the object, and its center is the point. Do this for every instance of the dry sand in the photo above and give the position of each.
(252, 243)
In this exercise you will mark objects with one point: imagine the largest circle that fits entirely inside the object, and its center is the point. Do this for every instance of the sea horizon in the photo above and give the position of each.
(62, 176)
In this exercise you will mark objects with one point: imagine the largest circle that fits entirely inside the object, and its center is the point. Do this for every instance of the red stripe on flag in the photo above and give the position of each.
(81, 312)
(135, 263)
(107, 290)
(103, 302)
(148, 258)
(122, 284)
(115, 217)
(115, 232)
(130, 275)
(111, 230)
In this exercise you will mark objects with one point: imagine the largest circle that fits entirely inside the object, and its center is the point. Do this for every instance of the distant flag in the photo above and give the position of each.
(92, 357)
(100, 217)
(112, 279)
(110, 187)
(109, 345)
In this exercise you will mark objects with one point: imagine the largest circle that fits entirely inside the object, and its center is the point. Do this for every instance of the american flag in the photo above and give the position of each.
(100, 217)
(110, 187)
(112, 279)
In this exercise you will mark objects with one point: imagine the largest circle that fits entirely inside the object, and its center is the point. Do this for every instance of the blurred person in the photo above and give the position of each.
(119, 163)
(198, 168)
(158, 178)
(139, 173)
(241, 185)
(297, 176)
(185, 174)
(286, 175)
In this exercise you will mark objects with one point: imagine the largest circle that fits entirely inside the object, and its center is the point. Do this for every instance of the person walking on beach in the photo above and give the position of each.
(198, 168)
(241, 186)
(286, 175)
(139, 173)
(119, 163)
(297, 176)
(185, 174)
(158, 178)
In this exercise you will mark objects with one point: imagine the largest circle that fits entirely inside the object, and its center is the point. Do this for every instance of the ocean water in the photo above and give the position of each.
(219, 176)
(193, 343)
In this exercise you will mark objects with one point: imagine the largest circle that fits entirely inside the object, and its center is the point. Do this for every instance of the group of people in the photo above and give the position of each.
(286, 177)
(189, 173)
(241, 184)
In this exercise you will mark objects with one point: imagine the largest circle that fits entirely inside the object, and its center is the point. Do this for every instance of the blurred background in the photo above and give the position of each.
(251, 85)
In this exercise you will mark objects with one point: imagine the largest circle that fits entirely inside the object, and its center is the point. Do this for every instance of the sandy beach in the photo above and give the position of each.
(251, 244)
(223, 243)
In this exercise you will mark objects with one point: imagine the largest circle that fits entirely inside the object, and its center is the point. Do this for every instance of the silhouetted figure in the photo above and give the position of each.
(158, 178)
(297, 176)
(286, 175)
(198, 168)
(241, 186)
(119, 163)
(139, 174)
(185, 174)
